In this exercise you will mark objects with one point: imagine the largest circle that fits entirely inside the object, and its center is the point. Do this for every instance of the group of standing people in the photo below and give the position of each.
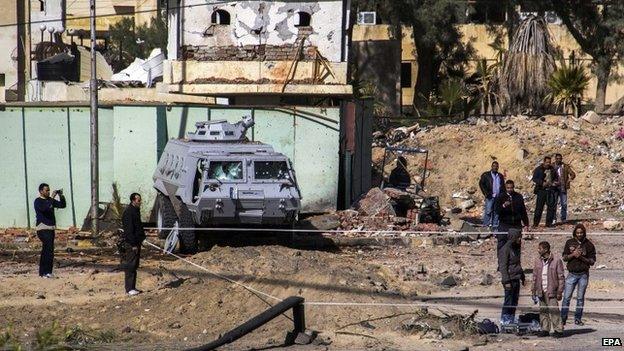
(505, 212)
(133, 234)
(551, 185)
(550, 285)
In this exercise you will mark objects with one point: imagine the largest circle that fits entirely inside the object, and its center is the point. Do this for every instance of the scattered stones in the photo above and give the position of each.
(175, 325)
(612, 225)
(194, 280)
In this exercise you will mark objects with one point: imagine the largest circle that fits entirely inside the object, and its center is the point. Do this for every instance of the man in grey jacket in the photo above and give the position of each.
(548, 283)
(511, 274)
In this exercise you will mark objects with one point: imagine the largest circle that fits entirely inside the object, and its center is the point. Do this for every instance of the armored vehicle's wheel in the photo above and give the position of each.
(166, 217)
(187, 236)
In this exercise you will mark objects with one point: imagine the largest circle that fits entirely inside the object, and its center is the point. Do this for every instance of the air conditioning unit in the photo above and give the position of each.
(552, 18)
(367, 18)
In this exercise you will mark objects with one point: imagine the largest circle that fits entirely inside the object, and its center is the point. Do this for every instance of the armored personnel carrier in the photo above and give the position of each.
(217, 177)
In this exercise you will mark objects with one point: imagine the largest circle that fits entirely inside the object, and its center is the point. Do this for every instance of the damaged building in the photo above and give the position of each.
(245, 49)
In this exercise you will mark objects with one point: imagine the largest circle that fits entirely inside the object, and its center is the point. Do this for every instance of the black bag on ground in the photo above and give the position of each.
(529, 318)
(486, 326)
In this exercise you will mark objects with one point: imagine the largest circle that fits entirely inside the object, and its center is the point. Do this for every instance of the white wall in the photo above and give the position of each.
(52, 14)
(275, 19)
(8, 47)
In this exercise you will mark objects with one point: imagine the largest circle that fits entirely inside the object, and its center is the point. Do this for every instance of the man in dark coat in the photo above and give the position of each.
(546, 182)
(134, 234)
(512, 275)
(46, 224)
(491, 184)
(512, 213)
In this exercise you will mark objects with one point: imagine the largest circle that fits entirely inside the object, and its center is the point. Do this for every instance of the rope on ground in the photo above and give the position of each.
(356, 304)
(249, 288)
(380, 232)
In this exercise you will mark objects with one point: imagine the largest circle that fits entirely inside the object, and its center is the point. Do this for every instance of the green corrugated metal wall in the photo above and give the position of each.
(42, 144)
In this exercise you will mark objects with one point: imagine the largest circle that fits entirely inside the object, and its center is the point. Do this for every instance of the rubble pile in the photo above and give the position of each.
(459, 153)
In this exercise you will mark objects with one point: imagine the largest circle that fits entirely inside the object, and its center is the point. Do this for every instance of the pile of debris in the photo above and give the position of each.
(592, 145)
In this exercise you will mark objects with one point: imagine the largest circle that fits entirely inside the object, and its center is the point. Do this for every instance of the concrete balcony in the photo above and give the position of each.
(256, 78)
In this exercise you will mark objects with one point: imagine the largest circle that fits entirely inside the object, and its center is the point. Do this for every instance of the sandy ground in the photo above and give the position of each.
(183, 306)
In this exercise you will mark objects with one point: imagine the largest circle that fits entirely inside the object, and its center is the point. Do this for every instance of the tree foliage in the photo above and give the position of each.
(567, 86)
(597, 28)
(128, 41)
(440, 52)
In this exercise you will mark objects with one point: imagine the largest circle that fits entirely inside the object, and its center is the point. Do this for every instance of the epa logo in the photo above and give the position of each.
(611, 342)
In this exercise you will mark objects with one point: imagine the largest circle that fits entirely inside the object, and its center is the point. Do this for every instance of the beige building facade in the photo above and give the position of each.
(480, 38)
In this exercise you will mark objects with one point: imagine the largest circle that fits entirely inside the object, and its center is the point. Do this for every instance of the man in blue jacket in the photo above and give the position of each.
(46, 224)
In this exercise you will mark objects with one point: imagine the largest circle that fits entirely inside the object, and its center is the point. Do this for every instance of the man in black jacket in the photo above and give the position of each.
(512, 213)
(133, 238)
(511, 274)
(580, 254)
(46, 224)
(491, 184)
(546, 188)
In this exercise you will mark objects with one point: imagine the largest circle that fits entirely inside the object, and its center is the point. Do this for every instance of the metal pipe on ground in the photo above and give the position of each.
(294, 302)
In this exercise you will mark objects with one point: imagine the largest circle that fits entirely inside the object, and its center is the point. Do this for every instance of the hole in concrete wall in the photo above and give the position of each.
(42, 5)
(302, 19)
(220, 17)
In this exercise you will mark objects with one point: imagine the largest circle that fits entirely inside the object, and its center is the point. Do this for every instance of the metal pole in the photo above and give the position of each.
(94, 129)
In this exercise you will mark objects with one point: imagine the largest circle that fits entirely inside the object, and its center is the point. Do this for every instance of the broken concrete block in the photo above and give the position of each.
(521, 154)
(487, 279)
(591, 117)
(457, 224)
(322, 222)
(612, 224)
(449, 281)
(375, 203)
(467, 204)
(445, 333)
(306, 337)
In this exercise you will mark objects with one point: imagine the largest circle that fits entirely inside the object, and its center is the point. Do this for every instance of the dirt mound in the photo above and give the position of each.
(459, 153)
(185, 305)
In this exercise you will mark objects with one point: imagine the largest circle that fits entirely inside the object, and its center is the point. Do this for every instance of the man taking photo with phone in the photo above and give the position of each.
(46, 225)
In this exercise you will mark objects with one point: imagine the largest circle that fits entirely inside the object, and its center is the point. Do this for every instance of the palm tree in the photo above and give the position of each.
(527, 66)
(485, 76)
(567, 85)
